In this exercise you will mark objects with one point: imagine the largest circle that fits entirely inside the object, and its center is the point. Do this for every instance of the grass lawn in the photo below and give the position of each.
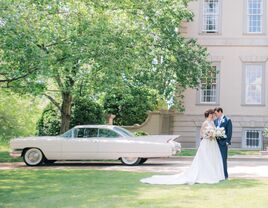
(88, 188)
(192, 152)
(4, 154)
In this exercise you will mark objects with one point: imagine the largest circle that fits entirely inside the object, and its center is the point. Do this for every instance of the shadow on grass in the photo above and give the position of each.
(94, 188)
(232, 183)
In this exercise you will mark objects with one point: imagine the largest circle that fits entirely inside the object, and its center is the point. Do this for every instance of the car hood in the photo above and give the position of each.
(155, 138)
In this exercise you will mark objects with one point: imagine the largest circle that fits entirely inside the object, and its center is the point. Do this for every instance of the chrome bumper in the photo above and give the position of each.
(15, 153)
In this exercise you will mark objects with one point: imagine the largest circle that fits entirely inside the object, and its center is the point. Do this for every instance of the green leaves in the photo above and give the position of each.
(80, 46)
(18, 115)
(130, 104)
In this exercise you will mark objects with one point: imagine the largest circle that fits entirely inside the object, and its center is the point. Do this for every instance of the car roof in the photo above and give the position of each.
(95, 126)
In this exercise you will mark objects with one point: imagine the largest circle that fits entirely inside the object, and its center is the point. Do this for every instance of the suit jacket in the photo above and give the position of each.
(226, 123)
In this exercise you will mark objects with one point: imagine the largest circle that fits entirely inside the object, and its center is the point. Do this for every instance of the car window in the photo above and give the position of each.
(67, 134)
(107, 133)
(86, 132)
(123, 132)
(91, 132)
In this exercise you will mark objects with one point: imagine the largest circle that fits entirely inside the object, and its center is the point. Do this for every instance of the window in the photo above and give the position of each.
(252, 139)
(107, 133)
(211, 16)
(209, 88)
(85, 132)
(123, 132)
(254, 84)
(68, 134)
(254, 16)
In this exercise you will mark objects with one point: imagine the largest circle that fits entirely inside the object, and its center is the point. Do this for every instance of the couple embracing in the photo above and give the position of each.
(210, 162)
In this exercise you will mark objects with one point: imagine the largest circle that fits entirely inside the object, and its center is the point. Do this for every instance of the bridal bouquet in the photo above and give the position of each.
(220, 132)
(212, 133)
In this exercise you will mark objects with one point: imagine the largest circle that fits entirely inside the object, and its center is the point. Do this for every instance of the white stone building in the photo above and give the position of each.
(235, 32)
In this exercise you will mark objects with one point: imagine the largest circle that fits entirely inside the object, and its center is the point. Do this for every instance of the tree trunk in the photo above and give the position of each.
(66, 111)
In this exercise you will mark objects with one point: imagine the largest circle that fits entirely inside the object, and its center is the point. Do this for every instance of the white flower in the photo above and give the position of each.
(220, 132)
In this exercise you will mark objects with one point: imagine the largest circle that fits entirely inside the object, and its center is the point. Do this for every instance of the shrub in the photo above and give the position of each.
(84, 111)
(140, 133)
(265, 132)
(130, 105)
(49, 123)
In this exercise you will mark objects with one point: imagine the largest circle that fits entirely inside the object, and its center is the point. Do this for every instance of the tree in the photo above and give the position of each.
(130, 105)
(55, 47)
(84, 111)
(18, 115)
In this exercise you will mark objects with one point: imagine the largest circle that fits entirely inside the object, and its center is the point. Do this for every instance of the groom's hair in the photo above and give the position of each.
(218, 109)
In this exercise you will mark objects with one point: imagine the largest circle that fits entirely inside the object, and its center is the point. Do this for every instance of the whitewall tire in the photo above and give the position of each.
(33, 157)
(130, 160)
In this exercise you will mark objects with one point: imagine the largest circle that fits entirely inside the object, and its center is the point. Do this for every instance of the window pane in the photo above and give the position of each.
(91, 132)
(253, 84)
(68, 134)
(79, 133)
(107, 133)
(208, 91)
(254, 12)
(252, 139)
(85, 132)
(210, 15)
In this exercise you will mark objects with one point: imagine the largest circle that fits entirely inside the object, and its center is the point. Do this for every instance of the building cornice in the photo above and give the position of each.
(220, 41)
(254, 59)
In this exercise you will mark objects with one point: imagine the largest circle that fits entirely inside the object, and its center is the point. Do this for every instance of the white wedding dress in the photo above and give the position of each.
(207, 166)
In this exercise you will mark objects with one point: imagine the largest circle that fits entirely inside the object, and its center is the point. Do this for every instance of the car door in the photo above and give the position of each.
(83, 145)
(110, 144)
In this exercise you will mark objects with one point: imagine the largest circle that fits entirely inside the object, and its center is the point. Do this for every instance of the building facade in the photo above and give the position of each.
(236, 36)
(235, 32)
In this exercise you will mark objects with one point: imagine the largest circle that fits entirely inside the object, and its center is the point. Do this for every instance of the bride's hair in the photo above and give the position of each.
(208, 112)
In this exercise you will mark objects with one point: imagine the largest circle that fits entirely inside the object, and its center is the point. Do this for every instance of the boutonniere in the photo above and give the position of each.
(223, 120)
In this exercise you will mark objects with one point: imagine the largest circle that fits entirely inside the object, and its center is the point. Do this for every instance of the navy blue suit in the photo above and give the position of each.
(226, 123)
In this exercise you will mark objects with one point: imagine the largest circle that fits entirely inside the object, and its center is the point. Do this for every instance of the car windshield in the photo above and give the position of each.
(67, 134)
(123, 132)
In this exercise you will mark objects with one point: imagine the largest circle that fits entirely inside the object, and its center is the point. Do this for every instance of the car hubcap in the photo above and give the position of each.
(129, 160)
(33, 156)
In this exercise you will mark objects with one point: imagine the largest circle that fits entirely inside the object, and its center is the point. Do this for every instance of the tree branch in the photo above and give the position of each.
(8, 80)
(58, 80)
(53, 101)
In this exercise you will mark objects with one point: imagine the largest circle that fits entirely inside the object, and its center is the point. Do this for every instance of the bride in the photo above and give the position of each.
(207, 166)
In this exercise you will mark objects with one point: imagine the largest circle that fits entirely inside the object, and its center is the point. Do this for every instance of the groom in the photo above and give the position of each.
(226, 123)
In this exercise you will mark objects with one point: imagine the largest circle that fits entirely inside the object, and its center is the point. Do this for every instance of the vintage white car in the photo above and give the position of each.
(94, 142)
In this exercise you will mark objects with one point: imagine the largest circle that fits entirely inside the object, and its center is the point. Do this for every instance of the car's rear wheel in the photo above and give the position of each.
(143, 160)
(33, 157)
(130, 160)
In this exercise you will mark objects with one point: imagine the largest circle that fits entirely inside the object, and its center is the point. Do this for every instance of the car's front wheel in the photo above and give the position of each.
(33, 157)
(130, 160)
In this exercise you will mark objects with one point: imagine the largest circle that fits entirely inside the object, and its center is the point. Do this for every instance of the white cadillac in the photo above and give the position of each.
(94, 142)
